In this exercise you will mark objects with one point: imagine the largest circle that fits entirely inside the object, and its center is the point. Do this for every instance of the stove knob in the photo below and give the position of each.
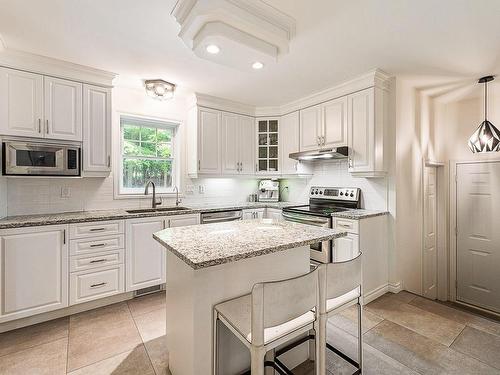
(321, 191)
(342, 193)
(352, 194)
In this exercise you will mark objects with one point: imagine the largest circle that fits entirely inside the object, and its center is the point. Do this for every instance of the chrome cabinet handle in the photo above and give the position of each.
(98, 260)
(98, 245)
(96, 229)
(39, 125)
(199, 165)
(97, 285)
(47, 126)
(317, 140)
(350, 162)
(109, 161)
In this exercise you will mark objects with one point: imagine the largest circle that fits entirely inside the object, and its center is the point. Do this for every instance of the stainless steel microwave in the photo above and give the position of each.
(26, 158)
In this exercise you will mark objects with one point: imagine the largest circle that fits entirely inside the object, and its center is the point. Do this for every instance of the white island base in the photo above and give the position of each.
(191, 295)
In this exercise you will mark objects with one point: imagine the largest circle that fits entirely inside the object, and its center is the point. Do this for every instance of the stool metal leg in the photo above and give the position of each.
(360, 336)
(215, 344)
(257, 354)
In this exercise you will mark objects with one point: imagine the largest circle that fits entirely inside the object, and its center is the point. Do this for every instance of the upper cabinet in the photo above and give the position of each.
(209, 141)
(366, 118)
(96, 131)
(268, 146)
(62, 109)
(324, 125)
(21, 103)
(289, 140)
(33, 105)
(237, 144)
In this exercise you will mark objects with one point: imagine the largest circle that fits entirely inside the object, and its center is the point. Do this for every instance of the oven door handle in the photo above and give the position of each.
(302, 219)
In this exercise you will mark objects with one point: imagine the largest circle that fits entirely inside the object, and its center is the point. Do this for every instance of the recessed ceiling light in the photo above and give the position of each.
(257, 65)
(213, 49)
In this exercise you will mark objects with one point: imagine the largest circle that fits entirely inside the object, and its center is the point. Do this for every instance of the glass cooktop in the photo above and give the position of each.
(319, 210)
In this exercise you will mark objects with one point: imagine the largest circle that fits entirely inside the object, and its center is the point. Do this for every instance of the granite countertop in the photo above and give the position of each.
(358, 213)
(219, 243)
(118, 214)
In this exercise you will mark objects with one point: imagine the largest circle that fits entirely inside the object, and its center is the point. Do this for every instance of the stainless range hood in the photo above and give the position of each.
(323, 154)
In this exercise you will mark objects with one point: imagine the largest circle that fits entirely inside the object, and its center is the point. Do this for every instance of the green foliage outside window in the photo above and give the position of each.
(146, 154)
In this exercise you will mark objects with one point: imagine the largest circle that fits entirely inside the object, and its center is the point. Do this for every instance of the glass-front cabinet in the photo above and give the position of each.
(267, 145)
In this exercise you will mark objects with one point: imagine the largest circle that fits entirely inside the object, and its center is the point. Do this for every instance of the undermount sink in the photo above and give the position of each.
(162, 209)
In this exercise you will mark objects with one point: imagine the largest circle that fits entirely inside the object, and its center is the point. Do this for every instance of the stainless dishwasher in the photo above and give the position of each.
(221, 216)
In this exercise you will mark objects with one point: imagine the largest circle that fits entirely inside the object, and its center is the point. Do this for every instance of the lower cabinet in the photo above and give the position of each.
(33, 271)
(257, 213)
(145, 256)
(96, 283)
(274, 213)
(346, 248)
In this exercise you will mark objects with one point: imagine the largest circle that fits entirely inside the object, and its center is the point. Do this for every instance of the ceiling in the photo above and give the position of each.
(335, 40)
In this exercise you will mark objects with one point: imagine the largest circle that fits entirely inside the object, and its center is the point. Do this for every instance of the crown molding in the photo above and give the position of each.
(375, 78)
(21, 60)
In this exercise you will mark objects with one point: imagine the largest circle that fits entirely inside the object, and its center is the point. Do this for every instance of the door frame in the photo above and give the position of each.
(452, 173)
(441, 261)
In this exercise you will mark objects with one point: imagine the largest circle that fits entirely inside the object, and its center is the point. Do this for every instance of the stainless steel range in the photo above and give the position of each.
(323, 202)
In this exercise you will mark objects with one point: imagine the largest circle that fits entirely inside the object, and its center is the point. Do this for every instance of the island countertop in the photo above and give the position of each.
(202, 246)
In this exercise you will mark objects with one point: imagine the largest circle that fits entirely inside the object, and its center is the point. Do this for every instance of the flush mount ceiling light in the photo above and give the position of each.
(159, 89)
(257, 65)
(486, 138)
(213, 49)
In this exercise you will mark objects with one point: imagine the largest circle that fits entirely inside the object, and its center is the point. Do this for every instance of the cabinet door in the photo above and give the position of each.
(33, 271)
(96, 130)
(360, 125)
(275, 214)
(209, 141)
(63, 109)
(310, 128)
(346, 248)
(248, 214)
(230, 143)
(183, 220)
(246, 145)
(145, 260)
(289, 140)
(21, 103)
(334, 119)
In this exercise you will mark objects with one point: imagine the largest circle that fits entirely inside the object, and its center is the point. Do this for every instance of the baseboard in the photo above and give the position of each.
(374, 294)
(395, 287)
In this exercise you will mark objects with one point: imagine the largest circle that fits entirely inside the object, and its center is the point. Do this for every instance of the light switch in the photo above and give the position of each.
(201, 189)
(65, 192)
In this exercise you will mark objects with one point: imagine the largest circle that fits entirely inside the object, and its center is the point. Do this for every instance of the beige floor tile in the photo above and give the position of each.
(101, 316)
(28, 337)
(101, 338)
(148, 303)
(423, 322)
(152, 325)
(485, 325)
(158, 353)
(402, 296)
(375, 362)
(422, 354)
(133, 362)
(480, 345)
(348, 320)
(45, 359)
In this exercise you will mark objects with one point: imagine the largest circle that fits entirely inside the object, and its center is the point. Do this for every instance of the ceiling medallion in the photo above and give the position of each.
(159, 89)
(486, 138)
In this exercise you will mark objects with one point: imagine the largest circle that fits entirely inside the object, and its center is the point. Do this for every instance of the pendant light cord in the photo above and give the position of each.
(486, 101)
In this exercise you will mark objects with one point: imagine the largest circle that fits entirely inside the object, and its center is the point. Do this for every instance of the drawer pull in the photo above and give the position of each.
(98, 260)
(97, 285)
(96, 229)
(98, 245)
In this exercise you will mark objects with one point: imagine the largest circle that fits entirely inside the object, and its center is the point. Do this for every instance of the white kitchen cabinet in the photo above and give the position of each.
(346, 248)
(209, 141)
(366, 117)
(268, 146)
(310, 128)
(33, 271)
(237, 144)
(334, 123)
(324, 125)
(62, 109)
(182, 220)
(145, 257)
(96, 131)
(273, 213)
(98, 283)
(254, 213)
(289, 141)
(21, 103)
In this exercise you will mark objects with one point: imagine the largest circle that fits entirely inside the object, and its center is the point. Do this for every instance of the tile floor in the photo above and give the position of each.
(403, 334)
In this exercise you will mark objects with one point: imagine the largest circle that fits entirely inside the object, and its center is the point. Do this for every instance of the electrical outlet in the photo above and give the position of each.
(65, 192)
(189, 189)
(201, 189)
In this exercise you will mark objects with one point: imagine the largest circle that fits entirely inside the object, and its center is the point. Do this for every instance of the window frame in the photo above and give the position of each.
(159, 123)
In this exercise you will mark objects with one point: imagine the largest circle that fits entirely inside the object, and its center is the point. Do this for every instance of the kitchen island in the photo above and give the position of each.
(208, 264)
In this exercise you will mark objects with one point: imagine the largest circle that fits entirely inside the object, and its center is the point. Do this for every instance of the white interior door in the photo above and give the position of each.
(478, 234)
(429, 277)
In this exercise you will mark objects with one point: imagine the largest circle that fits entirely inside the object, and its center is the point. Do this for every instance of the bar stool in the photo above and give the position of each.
(273, 314)
(340, 286)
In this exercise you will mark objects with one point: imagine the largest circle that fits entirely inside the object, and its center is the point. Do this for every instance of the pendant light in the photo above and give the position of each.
(486, 138)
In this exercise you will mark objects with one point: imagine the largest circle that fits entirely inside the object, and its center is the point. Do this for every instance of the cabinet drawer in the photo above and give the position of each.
(90, 285)
(98, 244)
(98, 228)
(97, 260)
(351, 226)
